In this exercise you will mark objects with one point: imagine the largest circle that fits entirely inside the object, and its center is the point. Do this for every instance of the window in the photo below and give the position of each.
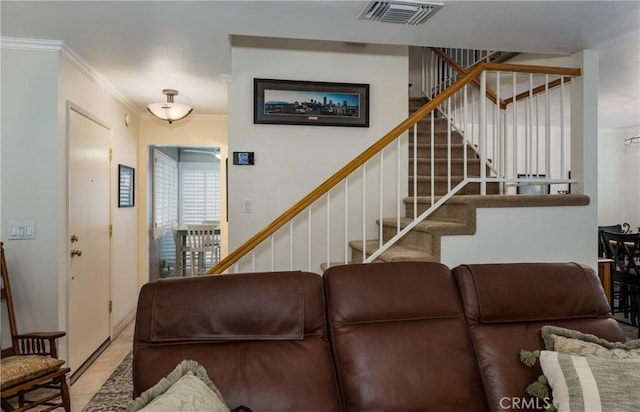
(165, 193)
(199, 192)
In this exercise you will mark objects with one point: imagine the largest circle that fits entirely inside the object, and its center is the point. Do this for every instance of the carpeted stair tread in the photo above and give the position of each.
(439, 227)
(396, 253)
(492, 201)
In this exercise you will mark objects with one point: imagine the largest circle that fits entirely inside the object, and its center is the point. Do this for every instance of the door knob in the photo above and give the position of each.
(76, 252)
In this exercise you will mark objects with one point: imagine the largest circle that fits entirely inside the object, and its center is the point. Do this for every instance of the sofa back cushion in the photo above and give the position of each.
(399, 339)
(506, 305)
(261, 337)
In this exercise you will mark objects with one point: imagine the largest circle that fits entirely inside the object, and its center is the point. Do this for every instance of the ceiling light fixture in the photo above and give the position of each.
(170, 111)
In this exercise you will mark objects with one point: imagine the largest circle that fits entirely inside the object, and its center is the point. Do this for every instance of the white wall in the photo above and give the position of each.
(290, 161)
(611, 176)
(618, 178)
(30, 181)
(526, 234)
(196, 131)
(631, 189)
(36, 84)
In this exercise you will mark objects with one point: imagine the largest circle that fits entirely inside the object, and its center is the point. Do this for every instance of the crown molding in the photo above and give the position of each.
(79, 63)
(72, 57)
(16, 43)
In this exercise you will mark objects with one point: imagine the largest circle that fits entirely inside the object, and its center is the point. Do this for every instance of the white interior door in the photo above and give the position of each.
(89, 245)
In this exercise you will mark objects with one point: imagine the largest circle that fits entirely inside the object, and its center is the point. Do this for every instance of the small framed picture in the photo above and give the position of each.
(126, 185)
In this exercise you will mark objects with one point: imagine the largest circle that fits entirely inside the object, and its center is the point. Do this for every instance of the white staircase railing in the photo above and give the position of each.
(522, 142)
(537, 149)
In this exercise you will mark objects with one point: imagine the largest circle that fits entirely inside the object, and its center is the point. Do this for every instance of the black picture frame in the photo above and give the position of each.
(310, 103)
(126, 186)
(532, 189)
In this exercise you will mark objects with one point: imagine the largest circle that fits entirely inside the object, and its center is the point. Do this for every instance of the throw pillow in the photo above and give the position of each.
(573, 342)
(577, 343)
(186, 388)
(583, 383)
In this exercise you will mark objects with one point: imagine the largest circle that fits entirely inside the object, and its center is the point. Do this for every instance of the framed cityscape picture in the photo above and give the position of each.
(310, 103)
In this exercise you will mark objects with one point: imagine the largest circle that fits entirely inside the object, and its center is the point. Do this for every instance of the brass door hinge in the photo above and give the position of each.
(110, 306)
(110, 230)
(110, 154)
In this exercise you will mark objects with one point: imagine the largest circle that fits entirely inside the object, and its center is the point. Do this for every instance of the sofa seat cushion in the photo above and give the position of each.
(21, 368)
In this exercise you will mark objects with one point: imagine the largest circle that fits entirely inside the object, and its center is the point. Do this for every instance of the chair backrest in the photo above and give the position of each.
(623, 249)
(602, 248)
(201, 237)
(5, 293)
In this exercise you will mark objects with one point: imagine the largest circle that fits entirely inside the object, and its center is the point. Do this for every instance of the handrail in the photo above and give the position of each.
(375, 148)
(538, 90)
(525, 68)
(490, 93)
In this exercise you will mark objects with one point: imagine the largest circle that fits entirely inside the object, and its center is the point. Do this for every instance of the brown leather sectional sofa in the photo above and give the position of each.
(378, 337)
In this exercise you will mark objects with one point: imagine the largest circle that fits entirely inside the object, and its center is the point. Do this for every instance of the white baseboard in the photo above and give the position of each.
(124, 322)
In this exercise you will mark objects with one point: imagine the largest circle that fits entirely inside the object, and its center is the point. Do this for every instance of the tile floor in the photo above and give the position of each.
(92, 379)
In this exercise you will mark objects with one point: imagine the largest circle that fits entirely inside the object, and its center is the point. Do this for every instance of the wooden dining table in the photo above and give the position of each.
(604, 273)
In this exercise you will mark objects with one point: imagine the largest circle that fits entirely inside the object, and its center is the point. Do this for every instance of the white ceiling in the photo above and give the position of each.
(142, 47)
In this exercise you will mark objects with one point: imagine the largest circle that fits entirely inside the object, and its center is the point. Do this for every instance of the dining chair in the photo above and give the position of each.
(30, 364)
(202, 246)
(602, 251)
(624, 250)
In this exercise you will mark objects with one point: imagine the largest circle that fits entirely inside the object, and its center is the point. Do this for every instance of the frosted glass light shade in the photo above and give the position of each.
(169, 110)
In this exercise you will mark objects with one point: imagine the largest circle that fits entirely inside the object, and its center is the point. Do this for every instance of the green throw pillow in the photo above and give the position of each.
(577, 343)
(572, 342)
(186, 388)
(540, 388)
(585, 383)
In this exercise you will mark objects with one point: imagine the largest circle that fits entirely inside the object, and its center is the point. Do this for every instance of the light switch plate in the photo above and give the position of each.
(22, 230)
(248, 205)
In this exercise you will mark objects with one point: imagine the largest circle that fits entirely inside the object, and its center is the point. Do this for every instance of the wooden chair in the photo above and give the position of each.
(202, 246)
(624, 250)
(602, 248)
(30, 366)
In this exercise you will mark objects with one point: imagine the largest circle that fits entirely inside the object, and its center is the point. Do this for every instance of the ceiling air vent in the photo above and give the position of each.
(407, 12)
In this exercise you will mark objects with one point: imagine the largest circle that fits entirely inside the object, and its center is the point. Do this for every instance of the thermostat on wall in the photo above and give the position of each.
(243, 158)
